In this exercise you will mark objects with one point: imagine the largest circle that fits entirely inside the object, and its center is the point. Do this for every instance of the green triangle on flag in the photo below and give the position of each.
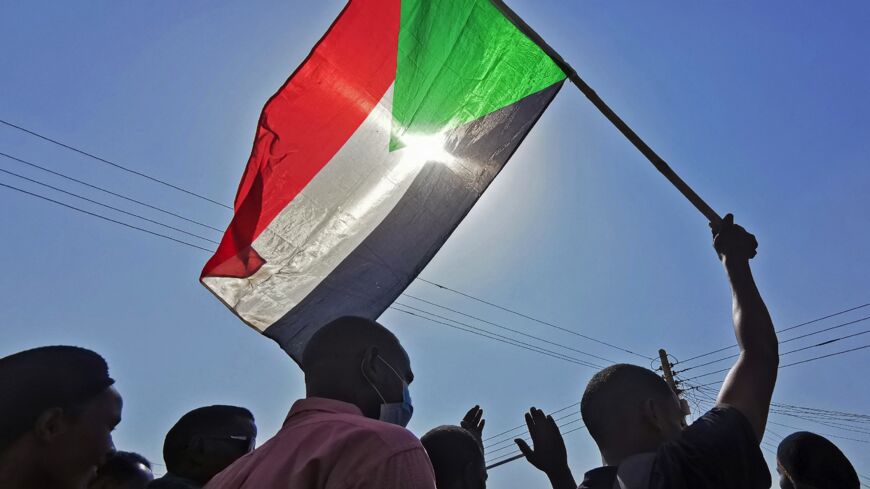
(458, 61)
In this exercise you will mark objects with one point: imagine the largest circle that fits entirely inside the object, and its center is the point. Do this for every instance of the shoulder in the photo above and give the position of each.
(718, 450)
(392, 437)
(719, 430)
(724, 421)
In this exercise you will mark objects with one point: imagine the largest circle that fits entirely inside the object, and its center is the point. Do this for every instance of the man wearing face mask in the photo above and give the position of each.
(349, 431)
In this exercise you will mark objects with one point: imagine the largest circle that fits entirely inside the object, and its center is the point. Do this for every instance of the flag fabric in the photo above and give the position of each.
(370, 155)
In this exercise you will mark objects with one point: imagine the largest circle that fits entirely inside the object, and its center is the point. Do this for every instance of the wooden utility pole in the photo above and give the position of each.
(666, 368)
(669, 378)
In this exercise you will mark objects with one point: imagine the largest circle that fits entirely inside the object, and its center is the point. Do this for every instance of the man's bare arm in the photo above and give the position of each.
(749, 385)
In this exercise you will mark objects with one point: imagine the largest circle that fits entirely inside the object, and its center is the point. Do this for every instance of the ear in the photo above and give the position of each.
(650, 413)
(50, 424)
(196, 449)
(370, 367)
(471, 476)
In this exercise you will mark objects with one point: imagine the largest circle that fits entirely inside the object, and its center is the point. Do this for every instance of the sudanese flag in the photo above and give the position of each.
(370, 155)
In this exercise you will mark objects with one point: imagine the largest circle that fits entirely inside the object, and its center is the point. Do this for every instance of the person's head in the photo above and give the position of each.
(808, 461)
(456, 457)
(56, 417)
(630, 410)
(207, 440)
(123, 470)
(358, 361)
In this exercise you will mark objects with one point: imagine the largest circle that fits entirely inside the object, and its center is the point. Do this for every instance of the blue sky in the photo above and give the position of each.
(762, 107)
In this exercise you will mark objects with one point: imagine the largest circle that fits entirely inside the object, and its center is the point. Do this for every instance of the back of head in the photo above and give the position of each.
(123, 470)
(36, 380)
(612, 405)
(207, 440)
(456, 457)
(340, 345)
(333, 356)
(811, 460)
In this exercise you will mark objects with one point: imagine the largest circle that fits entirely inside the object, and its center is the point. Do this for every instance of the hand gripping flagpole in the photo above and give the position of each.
(638, 143)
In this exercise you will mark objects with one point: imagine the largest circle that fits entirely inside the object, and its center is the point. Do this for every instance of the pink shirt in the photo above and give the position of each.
(329, 444)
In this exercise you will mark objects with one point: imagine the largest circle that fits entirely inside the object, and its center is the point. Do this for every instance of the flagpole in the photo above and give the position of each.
(505, 461)
(593, 97)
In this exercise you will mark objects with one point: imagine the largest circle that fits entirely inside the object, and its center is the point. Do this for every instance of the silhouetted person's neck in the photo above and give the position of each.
(349, 397)
(636, 441)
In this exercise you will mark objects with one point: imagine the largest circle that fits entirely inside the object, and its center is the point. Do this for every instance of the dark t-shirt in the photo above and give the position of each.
(718, 451)
(170, 481)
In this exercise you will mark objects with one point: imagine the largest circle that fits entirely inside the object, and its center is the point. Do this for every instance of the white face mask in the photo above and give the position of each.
(397, 413)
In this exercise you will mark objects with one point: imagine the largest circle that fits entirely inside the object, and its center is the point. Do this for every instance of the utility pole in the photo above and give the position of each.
(666, 368)
(669, 378)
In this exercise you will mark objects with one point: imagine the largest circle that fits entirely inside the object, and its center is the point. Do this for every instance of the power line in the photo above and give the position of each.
(503, 339)
(511, 437)
(116, 165)
(530, 318)
(839, 313)
(523, 425)
(817, 345)
(785, 366)
(823, 434)
(773, 411)
(37, 182)
(514, 454)
(525, 437)
(823, 421)
(480, 329)
(825, 330)
(825, 356)
(842, 414)
(842, 325)
(101, 189)
(506, 328)
(11, 187)
(828, 342)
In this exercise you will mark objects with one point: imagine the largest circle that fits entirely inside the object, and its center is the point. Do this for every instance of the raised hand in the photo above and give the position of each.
(732, 241)
(549, 454)
(474, 422)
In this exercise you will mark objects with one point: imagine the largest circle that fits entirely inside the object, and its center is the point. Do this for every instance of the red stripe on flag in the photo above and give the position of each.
(307, 121)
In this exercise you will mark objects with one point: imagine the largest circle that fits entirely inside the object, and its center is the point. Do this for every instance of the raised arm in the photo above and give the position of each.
(749, 385)
(548, 453)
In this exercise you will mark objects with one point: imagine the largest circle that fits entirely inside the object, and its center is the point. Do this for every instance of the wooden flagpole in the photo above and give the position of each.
(638, 143)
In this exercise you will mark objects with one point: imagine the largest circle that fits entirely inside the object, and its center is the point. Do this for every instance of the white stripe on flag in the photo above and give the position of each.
(332, 215)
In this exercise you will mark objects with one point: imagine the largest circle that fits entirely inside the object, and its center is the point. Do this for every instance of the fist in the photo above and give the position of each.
(732, 241)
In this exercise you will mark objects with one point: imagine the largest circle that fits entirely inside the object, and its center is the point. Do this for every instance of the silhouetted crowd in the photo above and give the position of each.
(59, 407)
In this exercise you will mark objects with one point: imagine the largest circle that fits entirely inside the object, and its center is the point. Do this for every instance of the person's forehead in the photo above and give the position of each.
(109, 401)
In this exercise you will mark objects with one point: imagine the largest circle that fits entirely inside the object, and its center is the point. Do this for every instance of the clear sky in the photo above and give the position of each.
(762, 106)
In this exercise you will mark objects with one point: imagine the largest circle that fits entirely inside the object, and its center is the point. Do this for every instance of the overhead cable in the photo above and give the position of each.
(530, 318)
(839, 313)
(12, 187)
(101, 189)
(114, 164)
(86, 199)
